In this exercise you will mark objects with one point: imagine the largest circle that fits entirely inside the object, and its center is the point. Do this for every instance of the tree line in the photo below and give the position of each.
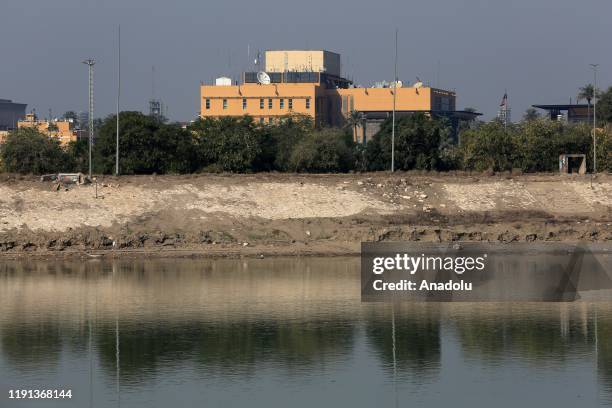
(294, 144)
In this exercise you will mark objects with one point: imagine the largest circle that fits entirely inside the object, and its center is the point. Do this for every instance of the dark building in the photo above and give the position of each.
(10, 113)
(574, 113)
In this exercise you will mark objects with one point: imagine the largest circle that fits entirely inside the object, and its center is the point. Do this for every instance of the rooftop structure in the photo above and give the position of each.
(303, 61)
(573, 113)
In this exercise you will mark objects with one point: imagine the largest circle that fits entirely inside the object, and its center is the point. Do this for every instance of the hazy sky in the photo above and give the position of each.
(538, 49)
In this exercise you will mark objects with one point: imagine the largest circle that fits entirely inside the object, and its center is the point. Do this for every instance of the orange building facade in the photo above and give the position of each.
(326, 97)
(62, 130)
(265, 103)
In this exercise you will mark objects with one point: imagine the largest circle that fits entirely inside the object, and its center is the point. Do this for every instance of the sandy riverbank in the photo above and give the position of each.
(281, 214)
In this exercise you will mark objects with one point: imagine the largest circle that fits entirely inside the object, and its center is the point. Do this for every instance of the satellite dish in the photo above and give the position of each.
(396, 84)
(417, 85)
(263, 78)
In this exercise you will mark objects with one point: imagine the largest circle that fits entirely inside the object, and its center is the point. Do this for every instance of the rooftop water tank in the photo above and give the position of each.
(223, 81)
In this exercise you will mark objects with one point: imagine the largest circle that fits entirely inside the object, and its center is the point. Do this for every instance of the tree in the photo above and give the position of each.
(70, 115)
(418, 143)
(355, 120)
(78, 153)
(530, 115)
(145, 146)
(537, 145)
(26, 150)
(604, 149)
(488, 147)
(324, 151)
(604, 107)
(280, 139)
(227, 143)
(586, 92)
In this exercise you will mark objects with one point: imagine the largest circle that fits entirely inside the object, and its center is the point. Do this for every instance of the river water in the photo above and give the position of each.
(283, 332)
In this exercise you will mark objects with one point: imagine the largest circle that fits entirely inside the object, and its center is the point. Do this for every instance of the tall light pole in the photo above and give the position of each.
(594, 66)
(90, 64)
(393, 117)
(118, 97)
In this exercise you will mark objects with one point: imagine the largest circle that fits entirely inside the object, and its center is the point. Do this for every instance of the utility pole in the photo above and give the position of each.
(90, 64)
(118, 98)
(393, 118)
(594, 66)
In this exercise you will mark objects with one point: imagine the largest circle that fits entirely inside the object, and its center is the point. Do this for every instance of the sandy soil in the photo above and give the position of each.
(288, 214)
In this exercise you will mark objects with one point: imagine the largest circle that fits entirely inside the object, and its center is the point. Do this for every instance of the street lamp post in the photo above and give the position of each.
(90, 63)
(118, 99)
(594, 66)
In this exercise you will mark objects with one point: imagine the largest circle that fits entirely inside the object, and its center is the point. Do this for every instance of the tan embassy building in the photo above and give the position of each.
(309, 83)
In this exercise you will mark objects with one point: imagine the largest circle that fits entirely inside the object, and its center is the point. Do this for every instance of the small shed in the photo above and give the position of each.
(572, 163)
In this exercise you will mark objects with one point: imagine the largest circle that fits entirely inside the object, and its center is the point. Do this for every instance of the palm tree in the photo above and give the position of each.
(530, 115)
(355, 119)
(587, 92)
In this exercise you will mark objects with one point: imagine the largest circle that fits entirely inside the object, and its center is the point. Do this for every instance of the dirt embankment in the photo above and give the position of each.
(296, 214)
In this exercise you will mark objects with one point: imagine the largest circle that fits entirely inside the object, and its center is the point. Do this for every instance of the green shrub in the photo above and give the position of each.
(323, 151)
(488, 147)
(419, 142)
(233, 144)
(604, 150)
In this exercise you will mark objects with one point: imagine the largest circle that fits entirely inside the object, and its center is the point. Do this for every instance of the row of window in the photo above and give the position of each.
(263, 120)
(262, 103)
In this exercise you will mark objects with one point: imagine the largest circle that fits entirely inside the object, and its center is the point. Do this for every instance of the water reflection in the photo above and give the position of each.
(281, 326)
(416, 332)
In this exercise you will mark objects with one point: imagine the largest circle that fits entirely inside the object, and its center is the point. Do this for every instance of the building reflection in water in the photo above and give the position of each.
(234, 318)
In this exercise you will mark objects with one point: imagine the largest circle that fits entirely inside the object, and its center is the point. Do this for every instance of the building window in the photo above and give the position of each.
(207, 103)
(270, 119)
(261, 104)
(225, 104)
(261, 120)
(290, 104)
(244, 103)
(282, 104)
(307, 103)
(270, 103)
